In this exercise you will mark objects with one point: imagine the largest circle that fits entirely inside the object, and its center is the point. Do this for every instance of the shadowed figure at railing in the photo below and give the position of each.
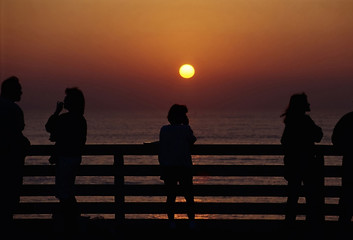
(68, 130)
(175, 142)
(14, 146)
(303, 167)
(342, 140)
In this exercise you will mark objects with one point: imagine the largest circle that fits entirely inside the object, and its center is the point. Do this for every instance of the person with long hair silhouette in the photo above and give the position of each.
(175, 142)
(342, 140)
(69, 131)
(301, 166)
(14, 147)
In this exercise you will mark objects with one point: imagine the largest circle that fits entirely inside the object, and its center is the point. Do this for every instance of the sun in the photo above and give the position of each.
(186, 71)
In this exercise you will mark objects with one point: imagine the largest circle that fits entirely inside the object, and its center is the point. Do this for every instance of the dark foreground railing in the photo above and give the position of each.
(119, 190)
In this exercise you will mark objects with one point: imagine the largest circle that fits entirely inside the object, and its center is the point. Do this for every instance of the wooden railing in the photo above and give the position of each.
(119, 190)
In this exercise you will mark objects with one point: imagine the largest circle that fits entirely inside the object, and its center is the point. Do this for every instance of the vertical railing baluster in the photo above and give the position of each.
(119, 197)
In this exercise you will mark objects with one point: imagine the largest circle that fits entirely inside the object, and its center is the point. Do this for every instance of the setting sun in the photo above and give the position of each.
(186, 71)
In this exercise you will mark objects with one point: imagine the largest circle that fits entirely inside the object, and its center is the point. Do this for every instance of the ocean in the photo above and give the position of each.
(213, 127)
(217, 127)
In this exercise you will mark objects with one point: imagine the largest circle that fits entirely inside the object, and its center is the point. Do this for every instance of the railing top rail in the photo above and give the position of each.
(198, 149)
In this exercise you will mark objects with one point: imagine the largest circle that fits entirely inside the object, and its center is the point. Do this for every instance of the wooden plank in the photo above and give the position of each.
(180, 207)
(158, 190)
(198, 149)
(210, 170)
(154, 170)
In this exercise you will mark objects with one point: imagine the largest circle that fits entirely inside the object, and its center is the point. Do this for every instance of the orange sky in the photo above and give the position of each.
(126, 53)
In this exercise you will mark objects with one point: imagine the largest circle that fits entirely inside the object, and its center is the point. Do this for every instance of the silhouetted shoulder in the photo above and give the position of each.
(342, 135)
(315, 130)
(308, 118)
(346, 119)
(183, 131)
(344, 124)
(11, 118)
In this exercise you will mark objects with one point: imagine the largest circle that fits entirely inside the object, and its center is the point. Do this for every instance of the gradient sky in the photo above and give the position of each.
(248, 54)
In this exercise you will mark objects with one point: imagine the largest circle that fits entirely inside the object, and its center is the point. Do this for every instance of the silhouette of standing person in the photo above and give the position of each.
(14, 147)
(342, 140)
(68, 130)
(300, 163)
(175, 142)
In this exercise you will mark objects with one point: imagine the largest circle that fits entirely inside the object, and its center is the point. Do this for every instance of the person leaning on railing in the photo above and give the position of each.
(68, 130)
(175, 141)
(14, 147)
(302, 167)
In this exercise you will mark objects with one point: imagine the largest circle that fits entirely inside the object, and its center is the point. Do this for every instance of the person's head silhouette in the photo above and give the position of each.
(298, 105)
(74, 101)
(177, 115)
(11, 89)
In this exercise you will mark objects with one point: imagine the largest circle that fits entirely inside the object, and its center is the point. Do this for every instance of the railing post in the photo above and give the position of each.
(119, 197)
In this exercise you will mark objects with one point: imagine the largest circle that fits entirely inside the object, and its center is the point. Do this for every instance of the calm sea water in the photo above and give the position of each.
(227, 127)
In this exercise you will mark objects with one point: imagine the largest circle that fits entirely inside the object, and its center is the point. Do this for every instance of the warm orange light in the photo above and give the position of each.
(186, 71)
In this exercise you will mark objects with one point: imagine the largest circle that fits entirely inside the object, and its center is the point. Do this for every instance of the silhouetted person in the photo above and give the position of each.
(175, 142)
(68, 130)
(14, 147)
(342, 140)
(300, 162)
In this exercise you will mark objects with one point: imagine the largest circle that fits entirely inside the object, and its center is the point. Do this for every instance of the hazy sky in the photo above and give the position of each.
(126, 53)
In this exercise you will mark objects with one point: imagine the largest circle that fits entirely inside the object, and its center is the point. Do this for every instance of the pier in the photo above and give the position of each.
(266, 217)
